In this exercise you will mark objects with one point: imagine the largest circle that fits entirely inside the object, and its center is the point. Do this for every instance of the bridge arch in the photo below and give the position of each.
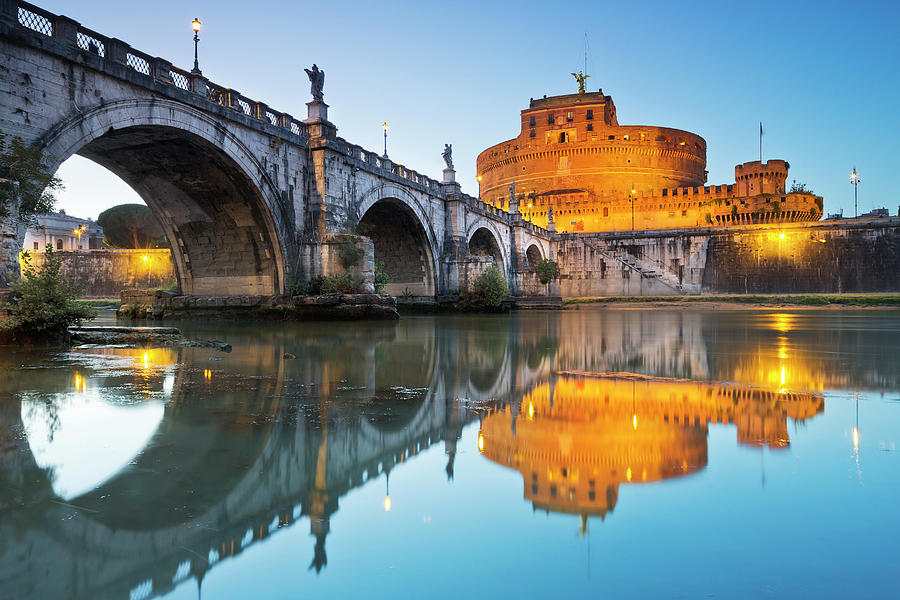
(217, 204)
(533, 256)
(485, 239)
(403, 238)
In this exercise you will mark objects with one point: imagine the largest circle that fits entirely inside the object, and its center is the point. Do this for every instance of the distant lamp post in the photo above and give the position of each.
(146, 259)
(385, 127)
(854, 181)
(631, 197)
(195, 24)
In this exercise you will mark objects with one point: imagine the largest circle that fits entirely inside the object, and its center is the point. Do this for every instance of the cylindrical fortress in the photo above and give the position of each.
(574, 142)
(573, 161)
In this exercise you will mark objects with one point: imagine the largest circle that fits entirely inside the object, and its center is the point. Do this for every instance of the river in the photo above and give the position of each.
(623, 453)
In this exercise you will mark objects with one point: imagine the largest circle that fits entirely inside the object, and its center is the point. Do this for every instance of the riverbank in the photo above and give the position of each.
(749, 301)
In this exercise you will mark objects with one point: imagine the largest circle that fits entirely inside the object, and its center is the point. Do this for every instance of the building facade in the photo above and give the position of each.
(572, 161)
(64, 232)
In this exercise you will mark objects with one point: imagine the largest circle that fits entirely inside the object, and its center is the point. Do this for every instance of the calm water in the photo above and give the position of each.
(590, 453)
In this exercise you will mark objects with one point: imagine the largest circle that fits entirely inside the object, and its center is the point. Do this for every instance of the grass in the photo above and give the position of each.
(761, 299)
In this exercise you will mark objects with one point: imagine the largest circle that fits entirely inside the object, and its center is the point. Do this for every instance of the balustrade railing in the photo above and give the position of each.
(71, 32)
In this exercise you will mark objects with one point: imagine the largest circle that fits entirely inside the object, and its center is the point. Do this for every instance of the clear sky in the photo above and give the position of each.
(821, 76)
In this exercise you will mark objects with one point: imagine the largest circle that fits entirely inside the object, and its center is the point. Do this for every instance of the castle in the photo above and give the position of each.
(574, 168)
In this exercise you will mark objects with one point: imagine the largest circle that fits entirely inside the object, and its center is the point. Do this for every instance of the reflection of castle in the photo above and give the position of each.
(573, 156)
(578, 437)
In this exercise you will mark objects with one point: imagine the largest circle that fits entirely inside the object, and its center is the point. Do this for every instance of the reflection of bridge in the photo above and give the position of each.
(207, 488)
(249, 197)
(578, 436)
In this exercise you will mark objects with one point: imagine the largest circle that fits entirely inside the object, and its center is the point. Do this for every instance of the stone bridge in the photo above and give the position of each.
(251, 199)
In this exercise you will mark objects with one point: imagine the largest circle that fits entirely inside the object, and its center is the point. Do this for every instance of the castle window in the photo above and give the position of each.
(590, 115)
(531, 134)
(665, 192)
(550, 119)
(612, 137)
(605, 211)
(563, 137)
(590, 127)
(684, 213)
(783, 199)
(569, 116)
(625, 137)
(532, 121)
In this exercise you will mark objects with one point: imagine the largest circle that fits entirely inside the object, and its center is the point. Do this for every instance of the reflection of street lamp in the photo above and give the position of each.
(195, 24)
(387, 491)
(854, 181)
(385, 127)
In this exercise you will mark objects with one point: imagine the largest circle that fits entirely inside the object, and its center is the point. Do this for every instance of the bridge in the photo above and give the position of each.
(251, 199)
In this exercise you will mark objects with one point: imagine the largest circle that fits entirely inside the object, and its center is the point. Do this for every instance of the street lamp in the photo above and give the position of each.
(631, 199)
(195, 24)
(385, 127)
(854, 181)
(146, 259)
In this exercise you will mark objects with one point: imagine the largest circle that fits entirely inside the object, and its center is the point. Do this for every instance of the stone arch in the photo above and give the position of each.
(217, 205)
(533, 256)
(403, 238)
(484, 239)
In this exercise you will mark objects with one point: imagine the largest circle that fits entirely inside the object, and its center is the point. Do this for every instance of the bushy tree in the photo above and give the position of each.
(546, 270)
(45, 302)
(490, 288)
(25, 177)
(131, 226)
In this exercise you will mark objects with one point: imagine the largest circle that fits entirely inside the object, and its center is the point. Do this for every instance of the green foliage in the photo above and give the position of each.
(131, 226)
(311, 287)
(820, 202)
(349, 254)
(734, 210)
(799, 188)
(24, 175)
(546, 270)
(339, 282)
(777, 208)
(490, 288)
(46, 302)
(381, 278)
(708, 219)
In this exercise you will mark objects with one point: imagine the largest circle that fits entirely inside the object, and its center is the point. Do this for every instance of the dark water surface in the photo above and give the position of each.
(590, 453)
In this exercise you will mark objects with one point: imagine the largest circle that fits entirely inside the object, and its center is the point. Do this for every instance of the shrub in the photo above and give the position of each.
(381, 277)
(708, 219)
(25, 179)
(490, 288)
(349, 254)
(339, 282)
(46, 302)
(546, 270)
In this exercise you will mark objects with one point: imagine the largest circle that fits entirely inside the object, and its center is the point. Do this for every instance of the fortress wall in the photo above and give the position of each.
(855, 256)
(105, 273)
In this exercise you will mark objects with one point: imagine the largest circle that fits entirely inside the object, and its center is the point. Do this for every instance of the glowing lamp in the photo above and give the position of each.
(384, 126)
(781, 236)
(195, 24)
(145, 258)
(478, 178)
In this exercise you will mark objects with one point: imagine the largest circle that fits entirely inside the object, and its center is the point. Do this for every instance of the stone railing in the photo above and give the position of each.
(159, 69)
(375, 162)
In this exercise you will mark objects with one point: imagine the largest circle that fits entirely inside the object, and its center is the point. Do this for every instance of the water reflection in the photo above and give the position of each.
(582, 435)
(133, 470)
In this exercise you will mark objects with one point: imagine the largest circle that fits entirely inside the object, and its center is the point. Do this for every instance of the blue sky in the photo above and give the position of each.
(821, 76)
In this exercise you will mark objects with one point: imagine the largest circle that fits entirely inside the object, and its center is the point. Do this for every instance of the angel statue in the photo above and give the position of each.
(580, 77)
(316, 82)
(448, 155)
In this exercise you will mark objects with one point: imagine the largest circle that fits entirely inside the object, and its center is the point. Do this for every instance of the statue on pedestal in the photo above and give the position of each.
(316, 82)
(580, 77)
(447, 154)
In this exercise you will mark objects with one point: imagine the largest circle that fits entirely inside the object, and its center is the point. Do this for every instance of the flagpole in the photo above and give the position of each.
(760, 142)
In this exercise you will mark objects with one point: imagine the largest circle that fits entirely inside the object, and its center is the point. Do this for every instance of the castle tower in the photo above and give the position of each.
(754, 178)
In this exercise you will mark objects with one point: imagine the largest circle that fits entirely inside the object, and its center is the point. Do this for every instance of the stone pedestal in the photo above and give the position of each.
(449, 176)
(317, 110)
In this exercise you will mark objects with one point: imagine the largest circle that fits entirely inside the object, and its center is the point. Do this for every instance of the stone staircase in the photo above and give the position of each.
(646, 268)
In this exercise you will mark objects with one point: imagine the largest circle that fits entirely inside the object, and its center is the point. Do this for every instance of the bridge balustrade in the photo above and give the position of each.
(71, 32)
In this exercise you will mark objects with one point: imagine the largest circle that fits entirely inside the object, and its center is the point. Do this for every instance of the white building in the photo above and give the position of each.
(64, 232)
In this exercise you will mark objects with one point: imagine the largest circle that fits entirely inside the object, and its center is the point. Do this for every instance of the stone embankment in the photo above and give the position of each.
(141, 336)
(160, 304)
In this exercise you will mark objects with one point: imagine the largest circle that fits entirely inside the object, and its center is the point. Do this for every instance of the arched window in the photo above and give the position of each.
(59, 244)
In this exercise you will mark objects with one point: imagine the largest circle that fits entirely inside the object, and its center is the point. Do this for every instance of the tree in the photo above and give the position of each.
(546, 270)
(24, 174)
(45, 302)
(490, 288)
(131, 226)
(799, 188)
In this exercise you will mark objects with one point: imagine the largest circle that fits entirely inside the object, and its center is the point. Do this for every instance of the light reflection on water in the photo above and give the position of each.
(646, 452)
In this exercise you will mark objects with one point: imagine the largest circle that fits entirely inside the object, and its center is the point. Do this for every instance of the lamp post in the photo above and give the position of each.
(146, 259)
(195, 24)
(631, 199)
(385, 127)
(854, 181)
